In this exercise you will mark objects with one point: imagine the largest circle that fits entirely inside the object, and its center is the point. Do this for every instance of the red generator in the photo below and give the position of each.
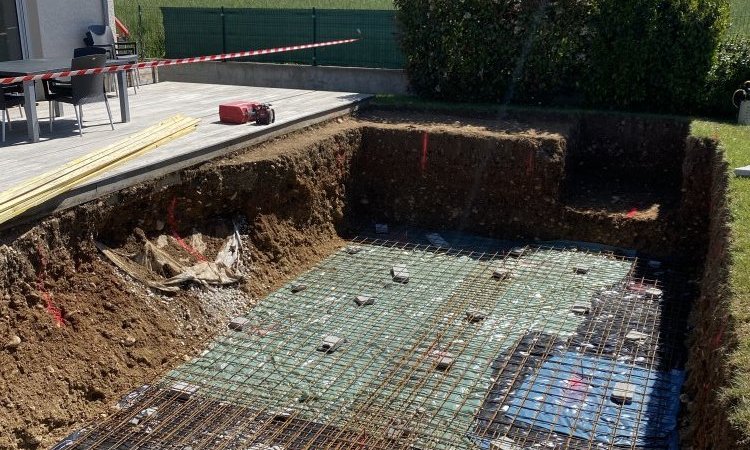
(238, 112)
(243, 112)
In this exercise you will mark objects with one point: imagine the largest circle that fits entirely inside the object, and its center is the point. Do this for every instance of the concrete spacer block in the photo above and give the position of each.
(298, 288)
(623, 393)
(239, 324)
(353, 249)
(182, 390)
(362, 300)
(634, 335)
(504, 443)
(400, 273)
(144, 414)
(442, 360)
(517, 252)
(581, 309)
(475, 315)
(502, 273)
(654, 292)
(330, 343)
(581, 270)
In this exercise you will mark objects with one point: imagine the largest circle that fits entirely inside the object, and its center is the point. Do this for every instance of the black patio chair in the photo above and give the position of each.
(102, 36)
(78, 52)
(82, 89)
(10, 96)
(87, 51)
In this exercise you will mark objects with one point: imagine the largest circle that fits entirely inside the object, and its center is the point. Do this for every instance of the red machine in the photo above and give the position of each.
(243, 112)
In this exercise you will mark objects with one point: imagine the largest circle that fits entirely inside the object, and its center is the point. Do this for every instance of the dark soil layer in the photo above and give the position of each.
(297, 195)
(520, 185)
(712, 337)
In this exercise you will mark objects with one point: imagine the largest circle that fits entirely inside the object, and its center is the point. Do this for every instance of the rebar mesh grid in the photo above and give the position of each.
(506, 350)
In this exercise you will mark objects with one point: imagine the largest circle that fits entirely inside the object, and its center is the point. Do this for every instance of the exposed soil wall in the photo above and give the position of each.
(114, 335)
(492, 184)
(712, 336)
(629, 149)
(518, 185)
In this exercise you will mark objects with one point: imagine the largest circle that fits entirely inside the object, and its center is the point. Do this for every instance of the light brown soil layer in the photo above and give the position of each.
(115, 334)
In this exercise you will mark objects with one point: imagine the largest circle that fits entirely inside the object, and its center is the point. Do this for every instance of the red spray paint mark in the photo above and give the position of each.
(53, 310)
(425, 141)
(530, 163)
(718, 338)
(362, 441)
(173, 226)
(576, 389)
(631, 213)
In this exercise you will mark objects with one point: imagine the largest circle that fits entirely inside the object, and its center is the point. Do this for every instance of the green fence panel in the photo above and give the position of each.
(270, 28)
(378, 47)
(203, 31)
(192, 31)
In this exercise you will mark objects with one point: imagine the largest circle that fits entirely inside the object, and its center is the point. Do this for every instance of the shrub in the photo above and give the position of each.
(653, 54)
(462, 49)
(731, 68)
(634, 54)
(555, 68)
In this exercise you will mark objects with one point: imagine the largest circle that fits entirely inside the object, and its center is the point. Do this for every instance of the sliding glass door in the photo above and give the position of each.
(10, 35)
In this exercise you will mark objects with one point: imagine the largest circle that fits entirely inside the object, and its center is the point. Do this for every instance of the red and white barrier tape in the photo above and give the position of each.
(172, 62)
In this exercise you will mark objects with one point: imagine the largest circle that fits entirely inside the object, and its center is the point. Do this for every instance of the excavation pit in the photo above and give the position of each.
(492, 319)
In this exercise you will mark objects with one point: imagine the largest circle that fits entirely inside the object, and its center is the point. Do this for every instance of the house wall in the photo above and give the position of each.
(56, 27)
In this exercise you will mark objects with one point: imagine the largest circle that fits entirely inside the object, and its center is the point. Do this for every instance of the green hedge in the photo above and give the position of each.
(635, 54)
(731, 68)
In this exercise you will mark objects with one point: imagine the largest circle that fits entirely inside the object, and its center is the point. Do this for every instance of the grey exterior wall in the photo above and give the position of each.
(320, 78)
(56, 27)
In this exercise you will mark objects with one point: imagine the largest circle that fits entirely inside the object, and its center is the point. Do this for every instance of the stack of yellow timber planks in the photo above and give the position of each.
(37, 190)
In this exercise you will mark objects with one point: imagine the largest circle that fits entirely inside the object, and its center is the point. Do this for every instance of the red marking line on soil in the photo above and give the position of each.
(718, 338)
(530, 163)
(631, 213)
(425, 141)
(362, 441)
(53, 310)
(173, 226)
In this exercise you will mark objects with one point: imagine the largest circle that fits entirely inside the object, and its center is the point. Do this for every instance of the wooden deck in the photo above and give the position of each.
(295, 109)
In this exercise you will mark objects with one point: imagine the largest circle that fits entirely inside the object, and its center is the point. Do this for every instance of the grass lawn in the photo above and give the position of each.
(736, 142)
(741, 17)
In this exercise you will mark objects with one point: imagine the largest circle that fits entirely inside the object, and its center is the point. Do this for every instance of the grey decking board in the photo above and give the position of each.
(296, 109)
(152, 104)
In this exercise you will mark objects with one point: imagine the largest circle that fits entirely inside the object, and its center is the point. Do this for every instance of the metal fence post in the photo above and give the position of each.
(140, 30)
(315, 37)
(223, 31)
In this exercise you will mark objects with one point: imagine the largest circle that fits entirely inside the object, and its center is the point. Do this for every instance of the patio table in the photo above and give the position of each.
(25, 67)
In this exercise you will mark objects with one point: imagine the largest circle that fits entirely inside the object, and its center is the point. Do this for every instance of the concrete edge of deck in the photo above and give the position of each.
(99, 188)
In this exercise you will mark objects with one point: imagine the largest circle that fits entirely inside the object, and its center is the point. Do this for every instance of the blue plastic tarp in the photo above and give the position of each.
(572, 394)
